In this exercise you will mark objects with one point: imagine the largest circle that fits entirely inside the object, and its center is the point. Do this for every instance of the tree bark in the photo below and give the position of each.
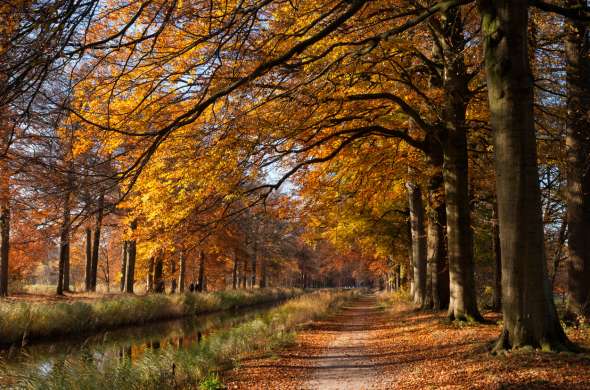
(235, 273)
(577, 55)
(96, 244)
(158, 275)
(181, 272)
(88, 281)
(410, 273)
(244, 273)
(123, 264)
(497, 299)
(4, 235)
(254, 258)
(462, 302)
(131, 256)
(437, 266)
(418, 242)
(201, 284)
(150, 275)
(530, 318)
(63, 279)
(263, 273)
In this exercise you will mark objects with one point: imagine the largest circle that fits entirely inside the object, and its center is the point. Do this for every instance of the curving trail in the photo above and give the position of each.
(367, 347)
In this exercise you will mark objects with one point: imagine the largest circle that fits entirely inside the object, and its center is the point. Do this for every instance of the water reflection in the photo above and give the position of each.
(124, 343)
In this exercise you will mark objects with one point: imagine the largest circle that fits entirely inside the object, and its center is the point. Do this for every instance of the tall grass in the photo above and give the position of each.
(187, 368)
(20, 321)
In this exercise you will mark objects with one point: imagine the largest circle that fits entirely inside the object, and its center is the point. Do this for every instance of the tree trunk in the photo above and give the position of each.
(158, 275)
(181, 272)
(4, 237)
(96, 245)
(63, 279)
(244, 273)
(410, 273)
(530, 318)
(88, 282)
(418, 242)
(497, 299)
(150, 275)
(201, 284)
(235, 273)
(107, 273)
(577, 55)
(263, 272)
(437, 266)
(462, 302)
(123, 264)
(131, 256)
(254, 258)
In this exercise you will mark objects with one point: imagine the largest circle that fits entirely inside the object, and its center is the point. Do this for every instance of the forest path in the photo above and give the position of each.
(366, 347)
(346, 362)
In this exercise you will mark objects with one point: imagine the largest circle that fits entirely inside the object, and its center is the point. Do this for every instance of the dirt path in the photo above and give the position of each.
(343, 364)
(366, 347)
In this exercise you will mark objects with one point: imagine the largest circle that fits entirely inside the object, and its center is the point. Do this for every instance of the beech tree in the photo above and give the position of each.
(530, 317)
(577, 54)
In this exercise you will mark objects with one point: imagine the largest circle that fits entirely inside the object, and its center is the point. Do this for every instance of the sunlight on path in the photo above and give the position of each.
(344, 364)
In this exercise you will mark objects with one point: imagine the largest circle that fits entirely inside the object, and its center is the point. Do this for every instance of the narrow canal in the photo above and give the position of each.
(124, 343)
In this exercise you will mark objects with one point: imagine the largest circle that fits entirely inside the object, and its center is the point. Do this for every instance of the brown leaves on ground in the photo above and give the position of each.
(402, 348)
(68, 297)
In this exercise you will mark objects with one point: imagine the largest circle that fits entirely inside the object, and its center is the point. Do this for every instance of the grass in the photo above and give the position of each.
(387, 299)
(22, 321)
(193, 368)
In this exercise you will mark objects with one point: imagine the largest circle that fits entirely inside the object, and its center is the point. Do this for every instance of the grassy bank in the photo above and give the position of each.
(22, 321)
(195, 367)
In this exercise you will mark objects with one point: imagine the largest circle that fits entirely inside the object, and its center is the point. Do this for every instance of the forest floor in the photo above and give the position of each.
(367, 346)
(52, 297)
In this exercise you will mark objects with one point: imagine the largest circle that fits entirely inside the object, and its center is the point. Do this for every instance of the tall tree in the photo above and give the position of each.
(63, 278)
(577, 55)
(201, 283)
(530, 317)
(96, 243)
(418, 242)
(4, 229)
(181, 271)
(88, 269)
(124, 256)
(131, 258)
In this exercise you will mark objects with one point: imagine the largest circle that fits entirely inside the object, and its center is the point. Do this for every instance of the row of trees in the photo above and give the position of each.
(381, 120)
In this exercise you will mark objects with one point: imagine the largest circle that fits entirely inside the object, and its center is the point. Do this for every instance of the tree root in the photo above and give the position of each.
(556, 344)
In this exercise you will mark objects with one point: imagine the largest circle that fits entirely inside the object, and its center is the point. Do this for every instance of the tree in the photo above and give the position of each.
(577, 54)
(131, 259)
(530, 317)
(201, 283)
(418, 243)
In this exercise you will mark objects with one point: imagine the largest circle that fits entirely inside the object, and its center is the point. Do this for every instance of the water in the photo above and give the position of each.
(128, 342)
